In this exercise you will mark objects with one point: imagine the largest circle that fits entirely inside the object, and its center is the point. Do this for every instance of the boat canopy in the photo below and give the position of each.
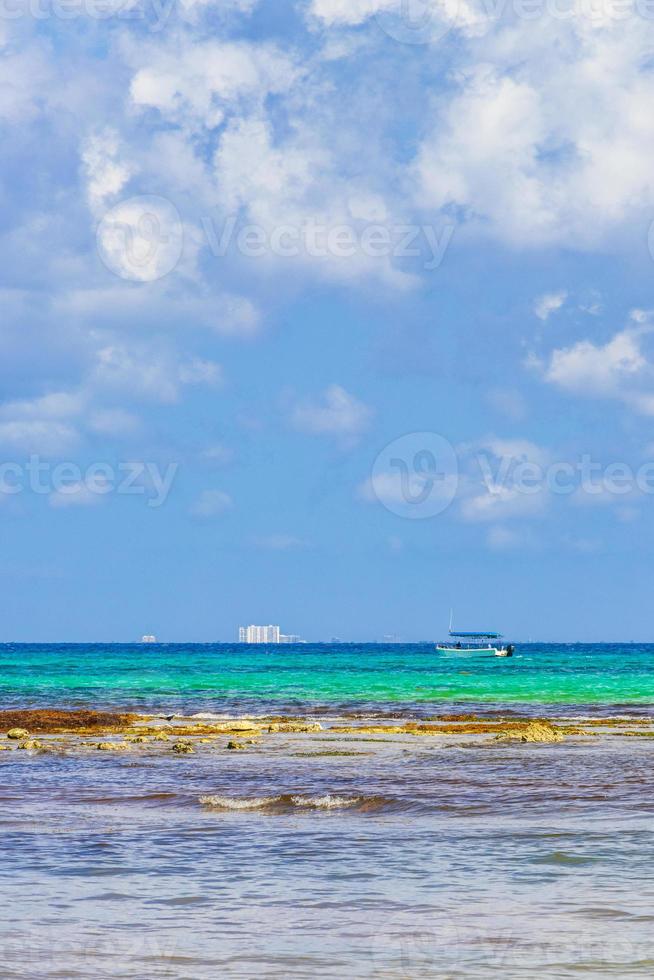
(477, 636)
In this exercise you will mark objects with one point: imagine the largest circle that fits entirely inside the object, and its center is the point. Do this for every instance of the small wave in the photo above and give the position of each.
(287, 802)
(227, 803)
(326, 802)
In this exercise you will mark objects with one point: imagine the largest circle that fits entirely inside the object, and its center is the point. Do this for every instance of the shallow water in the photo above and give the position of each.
(328, 854)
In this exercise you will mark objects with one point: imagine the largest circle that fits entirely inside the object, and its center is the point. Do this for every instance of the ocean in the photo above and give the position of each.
(352, 850)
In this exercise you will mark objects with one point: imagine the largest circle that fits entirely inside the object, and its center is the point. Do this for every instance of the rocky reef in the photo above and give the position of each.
(122, 732)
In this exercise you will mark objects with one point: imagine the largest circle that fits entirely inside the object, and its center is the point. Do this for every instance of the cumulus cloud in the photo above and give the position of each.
(47, 437)
(44, 424)
(294, 193)
(148, 372)
(501, 503)
(536, 144)
(55, 405)
(337, 413)
(105, 172)
(200, 82)
(549, 303)
(621, 368)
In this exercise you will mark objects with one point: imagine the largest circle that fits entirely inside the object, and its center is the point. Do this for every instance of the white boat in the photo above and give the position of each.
(472, 644)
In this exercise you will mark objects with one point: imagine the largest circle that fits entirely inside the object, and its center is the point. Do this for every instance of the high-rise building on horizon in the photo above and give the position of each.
(259, 634)
(264, 634)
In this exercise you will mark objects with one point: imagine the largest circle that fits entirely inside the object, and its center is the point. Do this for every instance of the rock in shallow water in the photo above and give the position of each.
(18, 733)
(535, 731)
(295, 726)
(31, 745)
(183, 748)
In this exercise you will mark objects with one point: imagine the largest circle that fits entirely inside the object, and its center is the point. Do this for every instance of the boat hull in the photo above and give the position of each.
(474, 651)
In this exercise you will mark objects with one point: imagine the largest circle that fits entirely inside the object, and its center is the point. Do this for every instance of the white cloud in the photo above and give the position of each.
(502, 503)
(211, 503)
(514, 450)
(155, 305)
(56, 405)
(548, 139)
(593, 368)
(26, 79)
(44, 424)
(196, 371)
(618, 369)
(348, 12)
(106, 173)
(44, 436)
(200, 82)
(148, 372)
(429, 18)
(549, 303)
(292, 190)
(338, 414)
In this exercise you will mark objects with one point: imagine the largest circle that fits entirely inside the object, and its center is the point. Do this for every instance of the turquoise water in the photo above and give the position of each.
(235, 677)
(328, 855)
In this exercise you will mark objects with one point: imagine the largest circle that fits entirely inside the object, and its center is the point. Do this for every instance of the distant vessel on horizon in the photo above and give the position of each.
(472, 643)
(148, 638)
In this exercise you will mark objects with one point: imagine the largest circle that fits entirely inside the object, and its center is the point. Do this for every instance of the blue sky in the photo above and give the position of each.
(258, 256)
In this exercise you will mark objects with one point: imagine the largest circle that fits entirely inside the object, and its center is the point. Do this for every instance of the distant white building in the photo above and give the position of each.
(264, 634)
(259, 634)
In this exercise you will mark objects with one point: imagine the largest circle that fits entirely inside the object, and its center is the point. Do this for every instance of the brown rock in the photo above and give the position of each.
(42, 721)
(183, 748)
(534, 731)
(295, 726)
